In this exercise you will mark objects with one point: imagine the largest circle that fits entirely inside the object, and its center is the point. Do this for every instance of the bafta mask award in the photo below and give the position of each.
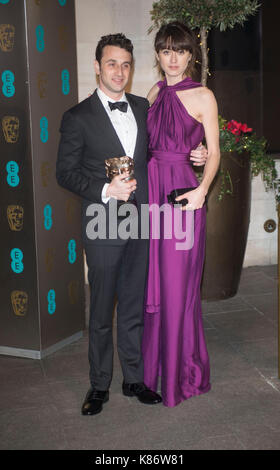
(121, 166)
(15, 217)
(7, 37)
(19, 302)
(10, 127)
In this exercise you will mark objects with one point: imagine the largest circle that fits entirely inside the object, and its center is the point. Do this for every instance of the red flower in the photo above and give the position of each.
(236, 131)
(245, 129)
(237, 127)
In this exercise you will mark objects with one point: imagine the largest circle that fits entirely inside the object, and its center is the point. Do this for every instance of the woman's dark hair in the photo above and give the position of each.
(177, 37)
(119, 40)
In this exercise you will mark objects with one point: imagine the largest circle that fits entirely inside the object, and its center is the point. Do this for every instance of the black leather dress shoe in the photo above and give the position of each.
(94, 401)
(143, 393)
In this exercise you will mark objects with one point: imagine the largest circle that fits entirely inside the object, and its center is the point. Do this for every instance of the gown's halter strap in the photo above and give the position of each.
(185, 84)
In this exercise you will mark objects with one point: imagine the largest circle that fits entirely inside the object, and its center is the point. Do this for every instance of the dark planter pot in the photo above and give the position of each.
(227, 227)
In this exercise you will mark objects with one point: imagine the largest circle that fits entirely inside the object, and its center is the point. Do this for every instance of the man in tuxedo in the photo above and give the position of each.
(110, 123)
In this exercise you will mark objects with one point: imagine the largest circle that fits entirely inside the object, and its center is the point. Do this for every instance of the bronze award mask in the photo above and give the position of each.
(10, 126)
(19, 302)
(42, 84)
(45, 173)
(7, 37)
(15, 217)
(121, 166)
(73, 292)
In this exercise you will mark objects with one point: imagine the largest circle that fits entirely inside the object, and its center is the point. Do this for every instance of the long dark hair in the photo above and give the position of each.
(176, 36)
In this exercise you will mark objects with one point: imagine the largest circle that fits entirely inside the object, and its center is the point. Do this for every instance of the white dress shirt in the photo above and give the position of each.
(124, 125)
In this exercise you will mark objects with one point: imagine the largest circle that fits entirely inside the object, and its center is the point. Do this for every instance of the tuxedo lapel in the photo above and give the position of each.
(139, 121)
(104, 124)
(106, 129)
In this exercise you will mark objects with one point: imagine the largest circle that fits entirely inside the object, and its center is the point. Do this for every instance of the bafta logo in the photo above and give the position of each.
(42, 84)
(19, 302)
(10, 126)
(7, 37)
(63, 38)
(73, 292)
(15, 217)
(45, 173)
(49, 259)
(70, 210)
(38, 2)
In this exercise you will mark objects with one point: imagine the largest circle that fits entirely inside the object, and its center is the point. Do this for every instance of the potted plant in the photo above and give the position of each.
(243, 154)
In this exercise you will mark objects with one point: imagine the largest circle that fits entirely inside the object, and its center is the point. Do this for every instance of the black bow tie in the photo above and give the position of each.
(121, 105)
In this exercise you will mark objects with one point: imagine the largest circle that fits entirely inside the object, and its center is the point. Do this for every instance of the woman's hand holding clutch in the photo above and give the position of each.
(196, 199)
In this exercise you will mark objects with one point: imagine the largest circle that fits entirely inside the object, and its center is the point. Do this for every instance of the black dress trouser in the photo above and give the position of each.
(116, 270)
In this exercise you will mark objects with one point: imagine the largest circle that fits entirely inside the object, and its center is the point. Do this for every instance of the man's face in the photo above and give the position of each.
(114, 70)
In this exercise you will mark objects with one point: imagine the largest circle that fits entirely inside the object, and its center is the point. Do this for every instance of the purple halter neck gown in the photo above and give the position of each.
(173, 341)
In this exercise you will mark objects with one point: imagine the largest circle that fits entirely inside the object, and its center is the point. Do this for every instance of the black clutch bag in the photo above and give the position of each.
(178, 192)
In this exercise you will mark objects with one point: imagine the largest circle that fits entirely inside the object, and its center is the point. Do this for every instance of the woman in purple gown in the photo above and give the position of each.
(181, 113)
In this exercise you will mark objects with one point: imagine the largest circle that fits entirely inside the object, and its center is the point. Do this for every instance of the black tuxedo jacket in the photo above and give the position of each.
(87, 139)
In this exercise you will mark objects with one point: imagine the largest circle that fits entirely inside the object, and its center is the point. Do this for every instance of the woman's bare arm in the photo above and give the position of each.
(208, 112)
(152, 95)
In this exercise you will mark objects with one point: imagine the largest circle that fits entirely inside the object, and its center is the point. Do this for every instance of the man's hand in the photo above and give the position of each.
(120, 189)
(199, 155)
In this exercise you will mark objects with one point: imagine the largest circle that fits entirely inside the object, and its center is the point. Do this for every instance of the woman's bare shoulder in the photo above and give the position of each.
(206, 94)
(152, 95)
(199, 91)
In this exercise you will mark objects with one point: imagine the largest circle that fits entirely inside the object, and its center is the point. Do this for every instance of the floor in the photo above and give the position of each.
(41, 400)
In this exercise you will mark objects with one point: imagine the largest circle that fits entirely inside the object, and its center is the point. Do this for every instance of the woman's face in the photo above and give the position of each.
(174, 63)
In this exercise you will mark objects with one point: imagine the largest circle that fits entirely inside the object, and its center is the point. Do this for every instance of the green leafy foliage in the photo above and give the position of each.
(252, 147)
(220, 14)
(203, 15)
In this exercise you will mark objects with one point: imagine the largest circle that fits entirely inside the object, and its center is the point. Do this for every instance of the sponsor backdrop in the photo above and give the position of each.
(42, 271)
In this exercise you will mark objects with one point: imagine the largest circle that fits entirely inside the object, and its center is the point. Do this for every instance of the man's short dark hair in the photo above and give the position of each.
(119, 40)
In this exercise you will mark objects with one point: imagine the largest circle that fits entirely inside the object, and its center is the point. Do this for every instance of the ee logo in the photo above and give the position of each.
(4, 2)
(65, 78)
(51, 301)
(48, 217)
(40, 41)
(62, 2)
(44, 134)
(12, 174)
(17, 257)
(72, 255)
(8, 79)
